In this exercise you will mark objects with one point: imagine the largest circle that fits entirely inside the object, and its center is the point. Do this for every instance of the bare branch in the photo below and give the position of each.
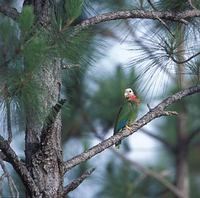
(75, 183)
(9, 11)
(169, 146)
(19, 167)
(147, 172)
(156, 112)
(130, 14)
(166, 26)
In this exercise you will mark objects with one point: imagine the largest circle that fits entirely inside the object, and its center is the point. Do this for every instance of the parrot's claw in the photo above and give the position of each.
(128, 127)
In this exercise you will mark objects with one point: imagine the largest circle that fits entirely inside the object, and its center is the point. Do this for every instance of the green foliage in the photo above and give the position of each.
(24, 90)
(26, 19)
(35, 52)
(73, 9)
(80, 48)
(19, 64)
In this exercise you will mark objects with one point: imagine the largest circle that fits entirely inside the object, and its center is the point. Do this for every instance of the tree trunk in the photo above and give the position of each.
(44, 158)
(44, 161)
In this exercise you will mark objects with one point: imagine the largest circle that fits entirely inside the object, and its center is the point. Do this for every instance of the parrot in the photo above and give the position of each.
(127, 112)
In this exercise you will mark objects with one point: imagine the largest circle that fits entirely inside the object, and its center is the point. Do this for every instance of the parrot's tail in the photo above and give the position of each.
(117, 145)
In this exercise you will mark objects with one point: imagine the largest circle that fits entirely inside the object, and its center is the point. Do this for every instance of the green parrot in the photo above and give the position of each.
(127, 113)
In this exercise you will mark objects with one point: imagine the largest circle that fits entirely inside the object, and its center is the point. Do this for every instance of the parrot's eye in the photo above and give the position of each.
(129, 91)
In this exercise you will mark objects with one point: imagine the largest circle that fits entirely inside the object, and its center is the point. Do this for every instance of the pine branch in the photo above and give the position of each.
(131, 14)
(9, 11)
(156, 112)
(76, 182)
(19, 167)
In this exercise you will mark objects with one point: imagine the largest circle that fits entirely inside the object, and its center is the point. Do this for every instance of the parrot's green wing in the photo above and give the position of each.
(127, 113)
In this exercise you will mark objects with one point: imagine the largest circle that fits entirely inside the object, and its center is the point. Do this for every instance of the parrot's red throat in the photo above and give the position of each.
(134, 98)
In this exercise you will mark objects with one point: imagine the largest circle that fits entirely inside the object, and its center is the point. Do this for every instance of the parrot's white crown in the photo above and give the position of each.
(128, 91)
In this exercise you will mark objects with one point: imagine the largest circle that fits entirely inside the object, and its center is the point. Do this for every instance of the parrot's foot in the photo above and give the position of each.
(128, 127)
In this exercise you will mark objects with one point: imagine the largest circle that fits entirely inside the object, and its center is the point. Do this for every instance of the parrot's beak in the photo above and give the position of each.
(126, 95)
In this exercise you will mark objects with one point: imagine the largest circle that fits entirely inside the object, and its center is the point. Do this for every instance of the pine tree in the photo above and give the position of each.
(47, 49)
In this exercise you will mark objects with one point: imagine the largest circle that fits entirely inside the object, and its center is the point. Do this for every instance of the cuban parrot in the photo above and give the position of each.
(127, 113)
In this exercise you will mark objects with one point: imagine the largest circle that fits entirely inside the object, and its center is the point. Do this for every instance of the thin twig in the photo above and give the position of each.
(163, 23)
(151, 4)
(76, 182)
(184, 61)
